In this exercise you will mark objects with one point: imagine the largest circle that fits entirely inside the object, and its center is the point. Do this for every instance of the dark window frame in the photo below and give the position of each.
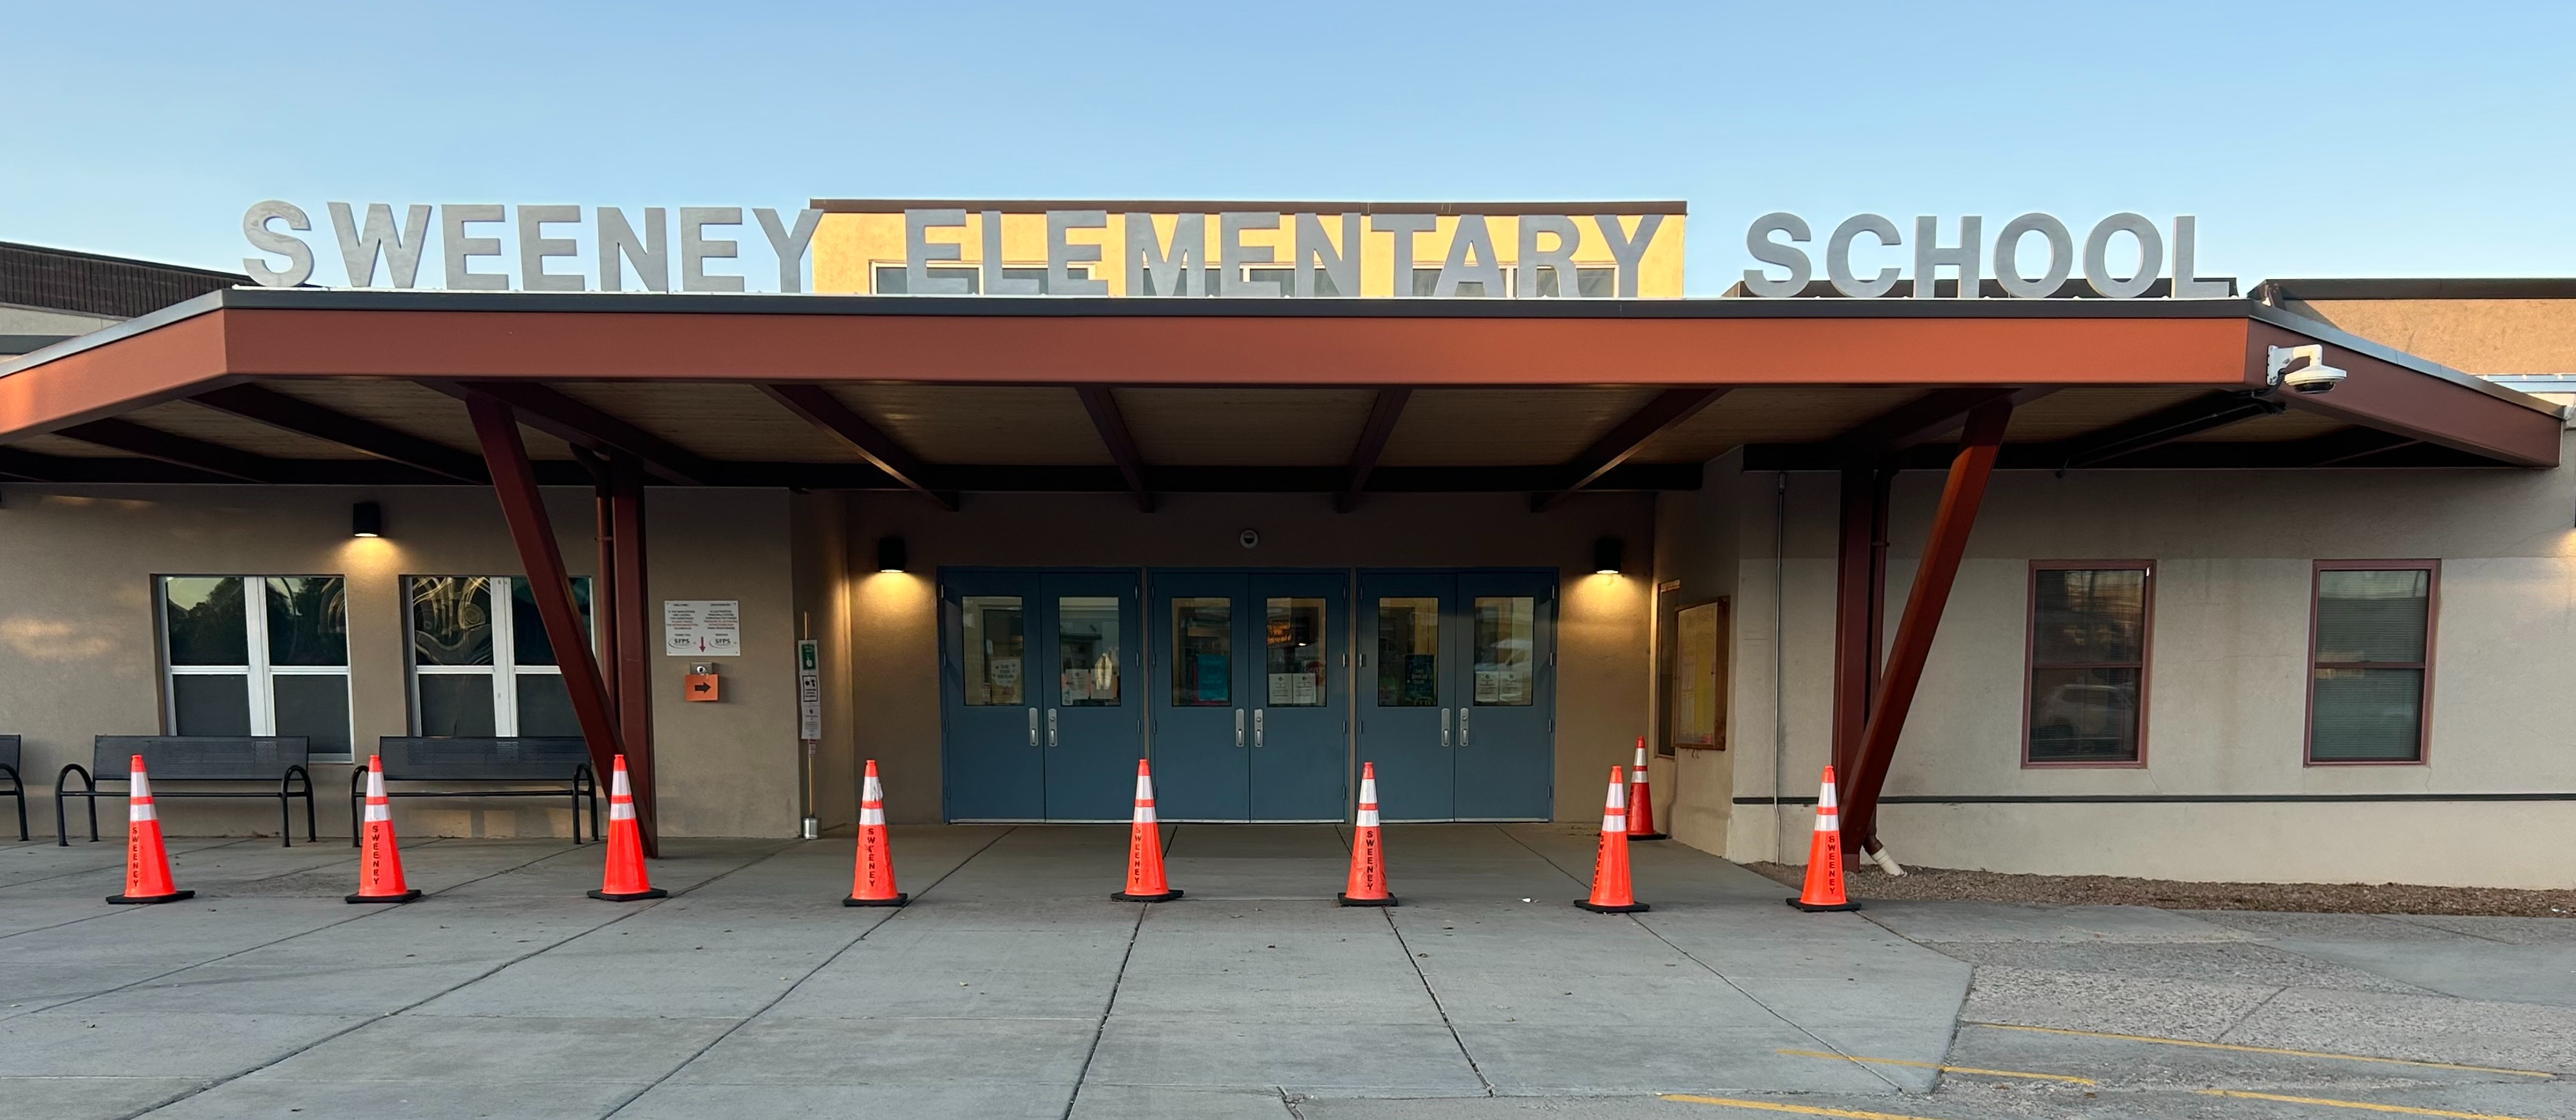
(2432, 570)
(2030, 665)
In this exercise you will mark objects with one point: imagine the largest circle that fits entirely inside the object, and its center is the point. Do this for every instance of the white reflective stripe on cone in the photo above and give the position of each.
(621, 810)
(138, 787)
(874, 816)
(873, 790)
(1825, 797)
(377, 810)
(1614, 822)
(1144, 814)
(375, 783)
(1618, 796)
(617, 786)
(1829, 822)
(1144, 787)
(140, 811)
(1368, 816)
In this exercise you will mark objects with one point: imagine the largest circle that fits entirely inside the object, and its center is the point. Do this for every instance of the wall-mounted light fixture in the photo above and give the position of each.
(1607, 552)
(891, 554)
(366, 519)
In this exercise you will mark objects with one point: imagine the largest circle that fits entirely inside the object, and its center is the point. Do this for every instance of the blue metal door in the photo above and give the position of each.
(1039, 719)
(1407, 692)
(991, 727)
(1300, 694)
(1457, 687)
(1202, 731)
(1507, 706)
(1093, 725)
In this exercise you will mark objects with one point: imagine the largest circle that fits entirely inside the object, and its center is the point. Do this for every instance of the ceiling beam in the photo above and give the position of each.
(1383, 413)
(817, 406)
(303, 417)
(548, 410)
(1102, 404)
(178, 450)
(2163, 426)
(1662, 414)
(1921, 420)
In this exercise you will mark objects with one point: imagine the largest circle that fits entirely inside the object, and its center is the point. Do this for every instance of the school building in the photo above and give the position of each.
(2137, 575)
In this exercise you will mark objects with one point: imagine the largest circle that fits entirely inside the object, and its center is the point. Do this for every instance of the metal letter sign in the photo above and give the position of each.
(1774, 240)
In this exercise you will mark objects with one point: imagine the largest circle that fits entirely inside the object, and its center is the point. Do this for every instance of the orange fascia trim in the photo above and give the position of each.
(1203, 350)
(2391, 398)
(168, 362)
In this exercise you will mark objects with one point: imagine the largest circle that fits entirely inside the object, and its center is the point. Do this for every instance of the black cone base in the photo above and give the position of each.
(149, 899)
(899, 899)
(1631, 908)
(1123, 896)
(1648, 836)
(405, 896)
(655, 892)
(1823, 909)
(1347, 900)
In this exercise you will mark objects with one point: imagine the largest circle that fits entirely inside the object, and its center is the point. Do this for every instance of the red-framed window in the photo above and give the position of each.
(2085, 688)
(2370, 658)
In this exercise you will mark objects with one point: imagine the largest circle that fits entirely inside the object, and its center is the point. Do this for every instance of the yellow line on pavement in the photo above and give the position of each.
(2263, 1049)
(1936, 1065)
(2364, 1105)
(1800, 1109)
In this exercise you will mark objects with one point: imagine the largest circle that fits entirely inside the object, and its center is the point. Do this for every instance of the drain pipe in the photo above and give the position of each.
(1779, 661)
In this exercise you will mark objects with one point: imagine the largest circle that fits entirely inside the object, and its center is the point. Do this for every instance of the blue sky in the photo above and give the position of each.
(2310, 139)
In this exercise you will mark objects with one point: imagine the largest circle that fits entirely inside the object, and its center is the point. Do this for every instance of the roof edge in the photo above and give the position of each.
(2322, 332)
(2461, 287)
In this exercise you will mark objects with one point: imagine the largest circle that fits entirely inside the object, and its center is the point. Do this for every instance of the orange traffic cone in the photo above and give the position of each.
(1145, 848)
(1641, 800)
(1610, 890)
(380, 876)
(1824, 889)
(874, 883)
(1367, 885)
(625, 880)
(147, 861)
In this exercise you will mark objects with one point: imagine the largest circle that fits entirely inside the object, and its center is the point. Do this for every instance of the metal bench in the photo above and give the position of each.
(194, 758)
(517, 761)
(17, 785)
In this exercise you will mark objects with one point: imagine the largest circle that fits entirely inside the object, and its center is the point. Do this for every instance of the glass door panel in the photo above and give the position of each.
(992, 752)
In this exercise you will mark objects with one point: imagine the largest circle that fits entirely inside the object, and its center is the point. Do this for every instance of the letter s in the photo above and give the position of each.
(299, 256)
(1758, 241)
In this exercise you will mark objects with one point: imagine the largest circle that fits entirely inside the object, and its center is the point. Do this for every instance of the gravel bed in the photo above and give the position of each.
(1949, 884)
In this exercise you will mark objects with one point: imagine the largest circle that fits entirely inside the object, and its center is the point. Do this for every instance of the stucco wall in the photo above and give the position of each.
(79, 638)
(2227, 675)
(1601, 655)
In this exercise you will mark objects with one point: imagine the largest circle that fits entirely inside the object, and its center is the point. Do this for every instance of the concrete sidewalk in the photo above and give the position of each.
(1013, 987)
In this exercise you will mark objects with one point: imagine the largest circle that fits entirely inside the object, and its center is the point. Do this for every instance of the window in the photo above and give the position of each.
(2371, 654)
(2087, 692)
(257, 655)
(478, 671)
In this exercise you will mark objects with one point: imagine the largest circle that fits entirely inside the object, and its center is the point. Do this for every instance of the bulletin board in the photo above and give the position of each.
(1696, 720)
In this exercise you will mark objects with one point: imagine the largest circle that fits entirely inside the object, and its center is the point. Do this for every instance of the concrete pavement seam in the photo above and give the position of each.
(1116, 982)
(1774, 1012)
(1388, 912)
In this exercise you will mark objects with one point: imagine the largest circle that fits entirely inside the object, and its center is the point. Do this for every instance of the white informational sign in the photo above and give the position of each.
(809, 691)
(702, 627)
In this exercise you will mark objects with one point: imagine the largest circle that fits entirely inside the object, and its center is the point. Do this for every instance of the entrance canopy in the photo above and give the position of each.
(949, 395)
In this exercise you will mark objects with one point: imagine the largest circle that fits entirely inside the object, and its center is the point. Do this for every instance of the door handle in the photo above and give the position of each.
(1256, 725)
(1051, 739)
(1462, 728)
(1444, 727)
(1238, 727)
(1033, 727)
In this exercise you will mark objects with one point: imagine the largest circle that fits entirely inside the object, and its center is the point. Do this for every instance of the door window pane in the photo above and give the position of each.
(316, 706)
(545, 706)
(458, 704)
(206, 621)
(1506, 636)
(1086, 631)
(1293, 652)
(210, 704)
(993, 648)
(451, 620)
(1203, 652)
(2367, 693)
(2088, 643)
(528, 627)
(1408, 653)
(308, 624)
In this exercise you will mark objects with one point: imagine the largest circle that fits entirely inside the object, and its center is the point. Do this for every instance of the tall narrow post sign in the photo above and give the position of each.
(809, 692)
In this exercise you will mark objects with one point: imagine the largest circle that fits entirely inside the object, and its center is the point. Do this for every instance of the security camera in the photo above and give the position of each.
(2311, 378)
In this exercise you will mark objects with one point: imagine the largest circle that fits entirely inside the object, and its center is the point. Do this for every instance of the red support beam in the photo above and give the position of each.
(633, 660)
(1663, 413)
(1102, 404)
(1951, 524)
(1383, 413)
(1857, 588)
(505, 454)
